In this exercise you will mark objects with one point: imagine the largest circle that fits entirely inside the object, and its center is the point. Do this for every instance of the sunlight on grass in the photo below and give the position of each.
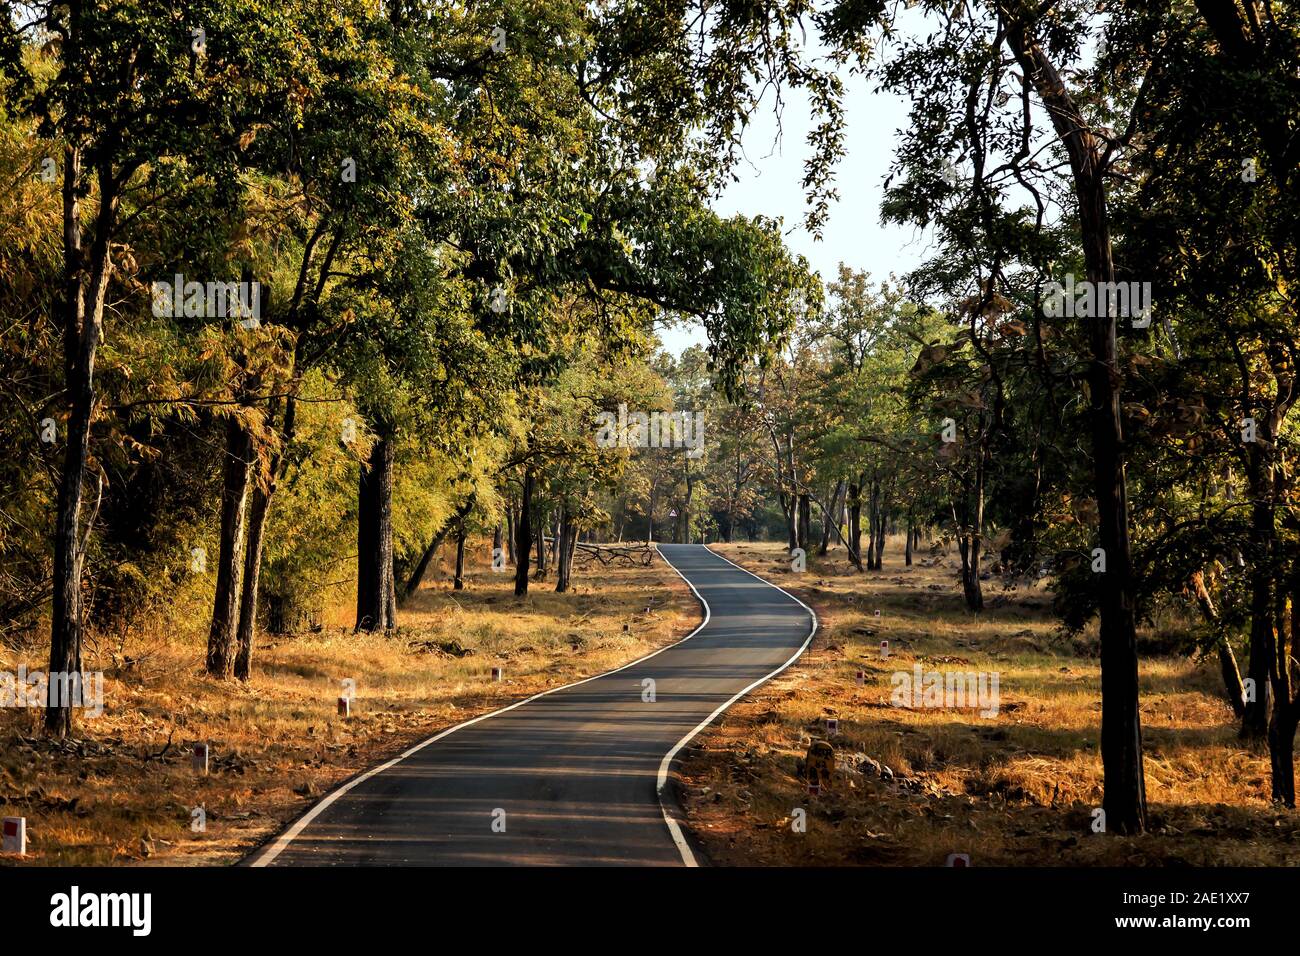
(124, 789)
(1016, 789)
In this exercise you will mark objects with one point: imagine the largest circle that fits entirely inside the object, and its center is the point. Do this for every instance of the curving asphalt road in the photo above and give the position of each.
(580, 771)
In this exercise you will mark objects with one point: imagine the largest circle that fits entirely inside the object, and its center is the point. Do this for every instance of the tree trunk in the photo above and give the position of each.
(525, 534)
(805, 519)
(1227, 660)
(1121, 724)
(540, 573)
(236, 473)
(459, 583)
(1281, 750)
(258, 509)
(258, 512)
(1254, 724)
(972, 589)
(512, 528)
(564, 541)
(825, 546)
(907, 551)
(376, 599)
(83, 321)
(855, 524)
(426, 559)
(873, 516)
(881, 523)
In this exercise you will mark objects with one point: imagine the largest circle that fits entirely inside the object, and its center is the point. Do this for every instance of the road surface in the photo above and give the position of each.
(574, 776)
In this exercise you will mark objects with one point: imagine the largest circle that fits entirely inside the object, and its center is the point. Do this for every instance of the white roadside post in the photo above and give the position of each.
(497, 673)
(15, 836)
(345, 706)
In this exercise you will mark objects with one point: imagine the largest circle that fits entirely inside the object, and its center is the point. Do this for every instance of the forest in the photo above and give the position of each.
(306, 308)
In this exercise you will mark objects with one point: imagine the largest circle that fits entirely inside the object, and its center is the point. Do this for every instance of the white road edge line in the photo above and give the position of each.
(267, 854)
(661, 782)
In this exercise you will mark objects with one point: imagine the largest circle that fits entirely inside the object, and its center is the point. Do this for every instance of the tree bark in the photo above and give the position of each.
(650, 517)
(259, 510)
(855, 524)
(525, 534)
(805, 519)
(512, 529)
(882, 515)
(1263, 533)
(565, 540)
(540, 573)
(459, 582)
(824, 548)
(234, 496)
(376, 598)
(416, 578)
(1121, 725)
(85, 283)
(1227, 659)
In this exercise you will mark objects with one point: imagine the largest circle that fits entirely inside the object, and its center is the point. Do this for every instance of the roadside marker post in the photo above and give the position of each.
(497, 673)
(958, 859)
(862, 678)
(15, 836)
(345, 706)
(200, 759)
(884, 650)
(814, 789)
(832, 725)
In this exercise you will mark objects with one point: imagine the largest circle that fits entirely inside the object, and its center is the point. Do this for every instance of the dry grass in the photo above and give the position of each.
(119, 794)
(1015, 789)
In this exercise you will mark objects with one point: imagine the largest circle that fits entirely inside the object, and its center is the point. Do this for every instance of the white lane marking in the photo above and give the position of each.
(268, 853)
(661, 781)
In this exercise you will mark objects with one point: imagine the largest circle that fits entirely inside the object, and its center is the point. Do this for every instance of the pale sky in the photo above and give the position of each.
(771, 185)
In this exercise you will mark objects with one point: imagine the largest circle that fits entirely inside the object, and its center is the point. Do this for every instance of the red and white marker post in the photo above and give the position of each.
(200, 759)
(15, 836)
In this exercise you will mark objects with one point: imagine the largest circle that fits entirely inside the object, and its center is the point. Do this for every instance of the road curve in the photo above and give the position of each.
(577, 774)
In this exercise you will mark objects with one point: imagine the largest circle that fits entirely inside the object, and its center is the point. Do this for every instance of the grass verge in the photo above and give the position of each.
(914, 785)
(124, 790)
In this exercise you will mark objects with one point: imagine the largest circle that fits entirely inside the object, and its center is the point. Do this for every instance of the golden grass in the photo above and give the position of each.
(119, 794)
(1015, 789)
